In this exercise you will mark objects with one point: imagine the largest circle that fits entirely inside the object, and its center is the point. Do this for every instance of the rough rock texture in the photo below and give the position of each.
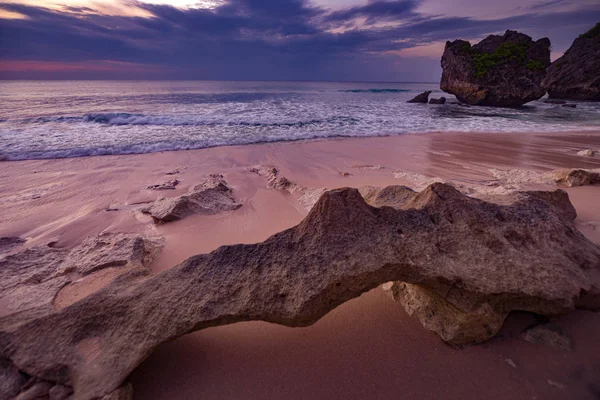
(504, 71)
(467, 251)
(11, 380)
(169, 185)
(274, 181)
(452, 324)
(576, 177)
(307, 197)
(421, 98)
(548, 335)
(441, 100)
(576, 74)
(432, 303)
(211, 197)
(8, 244)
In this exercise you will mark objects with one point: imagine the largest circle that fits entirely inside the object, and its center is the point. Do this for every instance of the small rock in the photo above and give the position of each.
(174, 172)
(170, 185)
(211, 197)
(576, 177)
(548, 335)
(345, 174)
(441, 100)
(511, 363)
(570, 105)
(587, 153)
(422, 98)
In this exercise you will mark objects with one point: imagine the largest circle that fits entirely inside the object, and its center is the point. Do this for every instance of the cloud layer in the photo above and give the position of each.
(261, 39)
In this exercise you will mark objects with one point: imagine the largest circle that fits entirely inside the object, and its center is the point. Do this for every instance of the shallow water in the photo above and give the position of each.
(43, 119)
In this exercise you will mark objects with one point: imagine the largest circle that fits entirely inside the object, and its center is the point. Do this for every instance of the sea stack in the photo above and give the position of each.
(576, 75)
(501, 71)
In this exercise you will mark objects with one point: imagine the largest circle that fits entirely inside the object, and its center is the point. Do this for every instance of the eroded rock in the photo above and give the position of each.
(576, 177)
(8, 244)
(210, 197)
(421, 98)
(576, 75)
(503, 71)
(169, 185)
(31, 279)
(307, 197)
(548, 335)
(466, 251)
(441, 100)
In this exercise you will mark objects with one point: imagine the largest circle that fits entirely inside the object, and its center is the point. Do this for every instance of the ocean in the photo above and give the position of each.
(58, 119)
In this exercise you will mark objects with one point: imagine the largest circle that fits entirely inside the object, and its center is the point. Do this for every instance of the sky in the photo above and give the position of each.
(298, 40)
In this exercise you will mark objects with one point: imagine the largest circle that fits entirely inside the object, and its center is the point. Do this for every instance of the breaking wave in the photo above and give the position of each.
(119, 119)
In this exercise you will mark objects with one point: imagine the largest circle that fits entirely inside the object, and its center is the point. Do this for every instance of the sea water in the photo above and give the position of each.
(57, 119)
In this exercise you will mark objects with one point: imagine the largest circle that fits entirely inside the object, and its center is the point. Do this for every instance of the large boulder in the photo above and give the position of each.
(576, 75)
(525, 254)
(503, 71)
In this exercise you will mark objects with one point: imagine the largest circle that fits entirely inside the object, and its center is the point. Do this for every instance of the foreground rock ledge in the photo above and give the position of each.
(526, 255)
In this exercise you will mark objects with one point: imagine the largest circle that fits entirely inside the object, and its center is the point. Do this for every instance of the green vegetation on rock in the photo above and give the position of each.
(506, 52)
(592, 33)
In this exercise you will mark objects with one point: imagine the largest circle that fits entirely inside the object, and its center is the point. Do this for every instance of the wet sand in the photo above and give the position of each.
(366, 348)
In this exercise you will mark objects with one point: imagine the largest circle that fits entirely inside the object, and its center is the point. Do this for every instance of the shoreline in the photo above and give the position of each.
(580, 131)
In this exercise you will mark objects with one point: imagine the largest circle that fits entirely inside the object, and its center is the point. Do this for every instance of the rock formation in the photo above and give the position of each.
(39, 281)
(441, 100)
(549, 335)
(307, 197)
(469, 253)
(210, 197)
(169, 185)
(576, 74)
(503, 71)
(576, 177)
(421, 98)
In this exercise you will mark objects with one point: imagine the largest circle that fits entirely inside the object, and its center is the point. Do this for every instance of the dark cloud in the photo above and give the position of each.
(263, 39)
(377, 11)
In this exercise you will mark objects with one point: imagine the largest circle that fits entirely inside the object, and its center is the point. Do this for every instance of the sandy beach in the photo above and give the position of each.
(366, 348)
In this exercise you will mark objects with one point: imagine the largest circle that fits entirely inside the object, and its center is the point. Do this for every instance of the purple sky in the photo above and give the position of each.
(335, 40)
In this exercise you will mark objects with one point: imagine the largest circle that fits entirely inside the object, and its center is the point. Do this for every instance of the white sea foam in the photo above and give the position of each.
(52, 120)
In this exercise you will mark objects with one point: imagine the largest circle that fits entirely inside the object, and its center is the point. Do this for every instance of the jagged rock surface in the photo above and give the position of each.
(576, 75)
(210, 197)
(441, 100)
(8, 244)
(576, 177)
(503, 71)
(468, 251)
(421, 98)
(31, 279)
